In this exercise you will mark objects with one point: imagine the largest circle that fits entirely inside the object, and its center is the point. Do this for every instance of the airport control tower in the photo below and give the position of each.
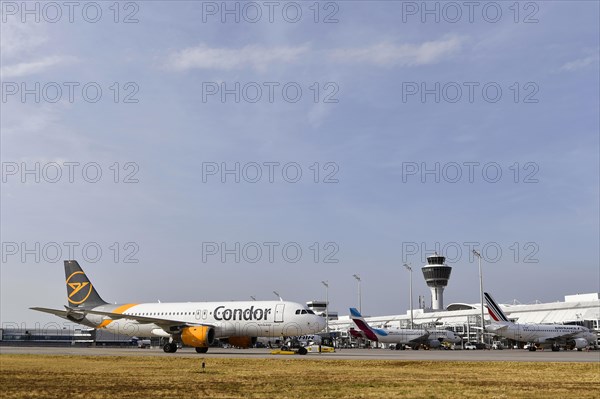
(436, 274)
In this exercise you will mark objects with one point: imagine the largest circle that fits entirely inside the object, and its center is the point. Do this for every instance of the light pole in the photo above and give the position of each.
(357, 277)
(407, 266)
(480, 293)
(326, 305)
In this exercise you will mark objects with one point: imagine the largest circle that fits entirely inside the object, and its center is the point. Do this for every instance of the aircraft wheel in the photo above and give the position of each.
(398, 346)
(202, 349)
(532, 348)
(285, 348)
(170, 347)
(302, 351)
(555, 348)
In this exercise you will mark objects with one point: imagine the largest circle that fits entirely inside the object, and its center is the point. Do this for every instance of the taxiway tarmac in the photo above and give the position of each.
(513, 355)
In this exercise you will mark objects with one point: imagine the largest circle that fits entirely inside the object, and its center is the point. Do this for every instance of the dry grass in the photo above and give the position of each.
(92, 377)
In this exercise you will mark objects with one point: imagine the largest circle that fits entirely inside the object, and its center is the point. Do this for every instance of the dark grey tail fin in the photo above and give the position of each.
(80, 291)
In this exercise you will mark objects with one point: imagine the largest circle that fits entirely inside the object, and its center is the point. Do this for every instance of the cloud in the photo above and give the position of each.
(22, 45)
(257, 57)
(21, 39)
(32, 67)
(580, 63)
(388, 54)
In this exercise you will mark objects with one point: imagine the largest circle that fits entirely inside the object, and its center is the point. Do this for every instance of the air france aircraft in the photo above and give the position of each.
(538, 334)
(411, 337)
(195, 324)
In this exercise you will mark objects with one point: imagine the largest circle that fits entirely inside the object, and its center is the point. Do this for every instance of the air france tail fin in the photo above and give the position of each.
(80, 291)
(370, 333)
(494, 310)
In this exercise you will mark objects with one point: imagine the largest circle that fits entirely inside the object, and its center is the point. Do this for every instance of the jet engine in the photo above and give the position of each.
(199, 337)
(241, 342)
(579, 343)
(434, 343)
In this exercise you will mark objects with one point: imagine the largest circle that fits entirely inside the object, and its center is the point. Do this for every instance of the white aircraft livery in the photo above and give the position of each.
(553, 335)
(194, 324)
(411, 337)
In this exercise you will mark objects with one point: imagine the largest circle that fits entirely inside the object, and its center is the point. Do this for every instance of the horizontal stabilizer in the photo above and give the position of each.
(59, 313)
(496, 327)
(74, 315)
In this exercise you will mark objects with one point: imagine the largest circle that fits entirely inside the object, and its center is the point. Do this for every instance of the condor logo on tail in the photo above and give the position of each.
(78, 291)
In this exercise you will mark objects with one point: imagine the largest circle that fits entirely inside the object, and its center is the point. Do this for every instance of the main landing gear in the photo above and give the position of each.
(170, 347)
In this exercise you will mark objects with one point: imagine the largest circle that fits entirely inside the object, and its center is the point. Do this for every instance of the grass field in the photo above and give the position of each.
(91, 377)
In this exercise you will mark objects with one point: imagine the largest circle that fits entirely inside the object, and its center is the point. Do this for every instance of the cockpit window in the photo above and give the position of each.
(298, 311)
(310, 311)
(304, 311)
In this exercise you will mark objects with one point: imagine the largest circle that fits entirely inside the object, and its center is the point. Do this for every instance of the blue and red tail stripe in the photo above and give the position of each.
(494, 310)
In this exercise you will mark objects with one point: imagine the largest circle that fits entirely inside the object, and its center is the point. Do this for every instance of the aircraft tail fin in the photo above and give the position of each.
(80, 291)
(360, 322)
(494, 310)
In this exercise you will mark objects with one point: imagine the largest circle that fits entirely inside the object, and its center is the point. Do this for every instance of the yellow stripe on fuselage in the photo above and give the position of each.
(120, 310)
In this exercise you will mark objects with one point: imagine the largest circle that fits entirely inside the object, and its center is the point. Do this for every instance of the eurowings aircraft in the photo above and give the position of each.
(554, 335)
(195, 324)
(411, 337)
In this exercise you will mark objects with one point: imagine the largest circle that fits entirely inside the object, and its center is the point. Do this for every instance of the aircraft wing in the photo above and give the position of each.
(564, 336)
(422, 338)
(165, 323)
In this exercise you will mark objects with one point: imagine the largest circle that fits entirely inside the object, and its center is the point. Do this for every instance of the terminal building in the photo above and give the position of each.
(73, 335)
(465, 319)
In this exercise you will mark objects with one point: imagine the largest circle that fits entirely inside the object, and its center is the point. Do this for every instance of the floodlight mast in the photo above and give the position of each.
(480, 293)
(326, 284)
(409, 268)
(357, 277)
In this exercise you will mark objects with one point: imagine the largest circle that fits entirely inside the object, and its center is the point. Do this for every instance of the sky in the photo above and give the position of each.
(192, 151)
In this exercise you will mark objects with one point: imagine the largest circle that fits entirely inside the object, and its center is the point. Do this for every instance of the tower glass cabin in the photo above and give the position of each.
(436, 274)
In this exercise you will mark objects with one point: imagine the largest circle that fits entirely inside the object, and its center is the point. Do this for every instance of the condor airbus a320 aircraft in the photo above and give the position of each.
(554, 335)
(195, 324)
